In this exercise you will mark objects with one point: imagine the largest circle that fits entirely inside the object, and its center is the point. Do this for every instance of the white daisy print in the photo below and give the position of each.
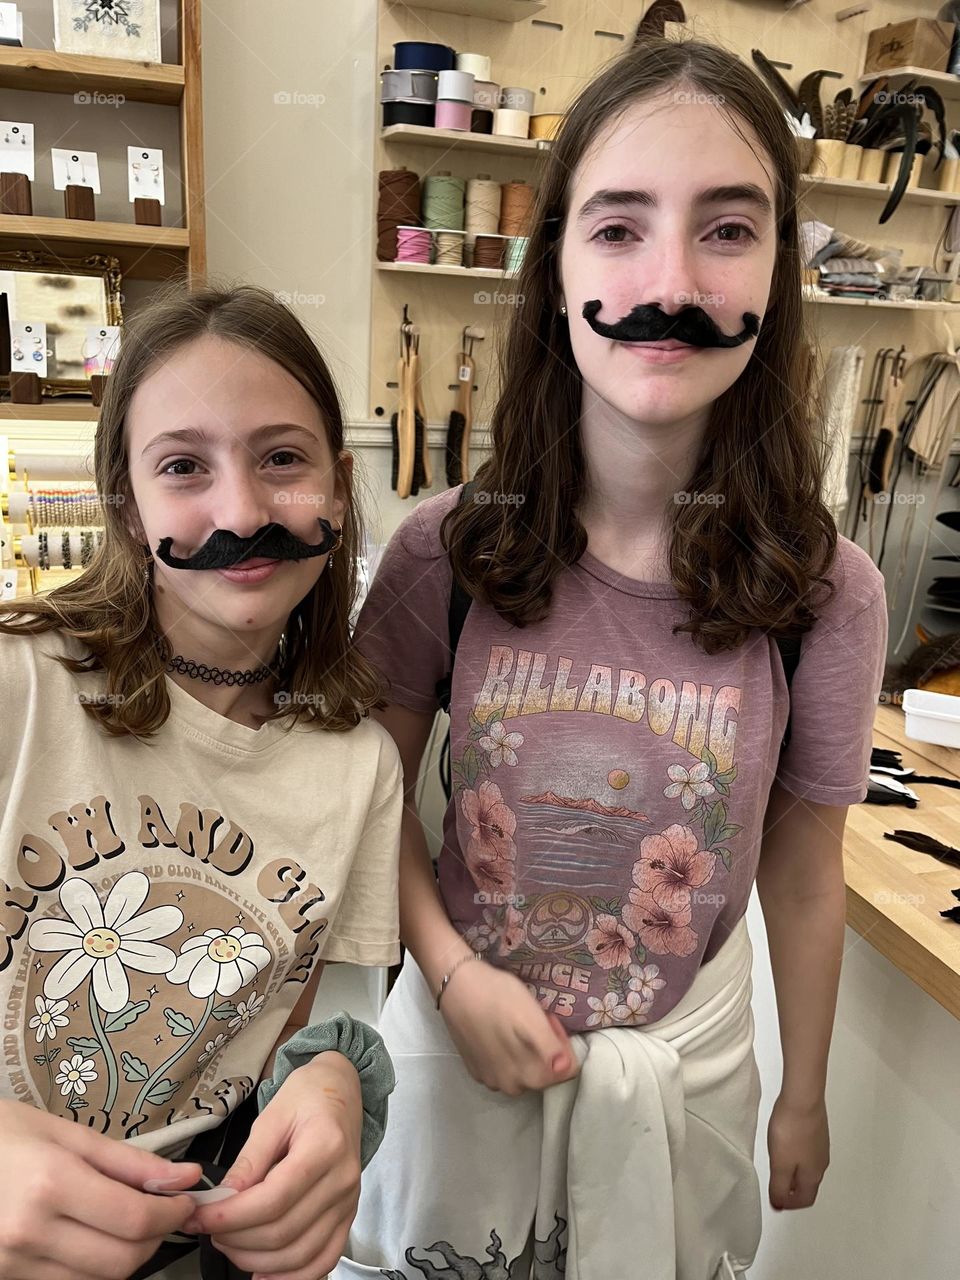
(49, 1017)
(689, 785)
(247, 1010)
(75, 1075)
(220, 961)
(499, 745)
(212, 1047)
(105, 940)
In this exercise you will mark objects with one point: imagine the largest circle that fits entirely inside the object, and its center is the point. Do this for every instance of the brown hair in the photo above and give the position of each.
(752, 561)
(109, 607)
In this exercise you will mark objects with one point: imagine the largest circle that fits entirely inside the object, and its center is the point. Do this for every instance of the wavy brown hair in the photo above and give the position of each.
(109, 607)
(757, 559)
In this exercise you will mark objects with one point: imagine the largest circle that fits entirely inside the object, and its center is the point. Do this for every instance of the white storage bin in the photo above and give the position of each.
(932, 717)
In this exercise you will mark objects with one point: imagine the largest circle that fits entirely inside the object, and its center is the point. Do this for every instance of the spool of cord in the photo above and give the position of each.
(516, 207)
(455, 86)
(414, 244)
(489, 251)
(486, 94)
(443, 202)
(408, 86)
(516, 249)
(421, 113)
(478, 64)
(453, 115)
(545, 126)
(449, 248)
(482, 212)
(515, 99)
(481, 121)
(421, 55)
(508, 123)
(398, 206)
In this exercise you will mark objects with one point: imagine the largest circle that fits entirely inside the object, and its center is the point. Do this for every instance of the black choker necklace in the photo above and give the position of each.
(217, 675)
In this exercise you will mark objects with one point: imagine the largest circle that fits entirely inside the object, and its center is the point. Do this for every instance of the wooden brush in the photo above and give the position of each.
(461, 417)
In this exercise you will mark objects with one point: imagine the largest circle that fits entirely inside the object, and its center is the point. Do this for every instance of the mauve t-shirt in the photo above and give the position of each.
(609, 778)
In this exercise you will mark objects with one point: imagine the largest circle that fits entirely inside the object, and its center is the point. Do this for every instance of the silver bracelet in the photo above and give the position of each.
(474, 955)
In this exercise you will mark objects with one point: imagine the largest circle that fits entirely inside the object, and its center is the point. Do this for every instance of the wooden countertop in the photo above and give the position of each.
(895, 895)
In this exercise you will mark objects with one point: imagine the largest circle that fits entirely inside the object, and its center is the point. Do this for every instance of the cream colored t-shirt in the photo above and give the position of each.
(163, 901)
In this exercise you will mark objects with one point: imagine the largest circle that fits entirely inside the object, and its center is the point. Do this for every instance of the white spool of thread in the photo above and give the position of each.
(508, 123)
(455, 86)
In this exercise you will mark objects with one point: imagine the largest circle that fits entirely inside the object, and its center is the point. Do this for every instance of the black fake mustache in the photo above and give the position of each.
(223, 549)
(650, 324)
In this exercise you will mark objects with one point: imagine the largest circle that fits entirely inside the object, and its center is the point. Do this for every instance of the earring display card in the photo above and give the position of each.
(28, 347)
(11, 25)
(108, 28)
(75, 169)
(16, 148)
(145, 174)
(100, 348)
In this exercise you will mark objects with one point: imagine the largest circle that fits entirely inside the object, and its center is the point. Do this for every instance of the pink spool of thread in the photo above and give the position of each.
(413, 244)
(454, 115)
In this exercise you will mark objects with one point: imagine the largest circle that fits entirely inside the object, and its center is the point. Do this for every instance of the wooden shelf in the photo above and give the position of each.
(476, 273)
(947, 85)
(424, 135)
(886, 306)
(498, 10)
(145, 253)
(44, 71)
(50, 411)
(852, 187)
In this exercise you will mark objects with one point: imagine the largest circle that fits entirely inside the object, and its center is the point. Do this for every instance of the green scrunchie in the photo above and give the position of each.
(365, 1049)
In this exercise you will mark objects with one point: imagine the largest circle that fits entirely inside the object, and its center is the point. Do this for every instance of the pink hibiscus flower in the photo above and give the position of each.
(610, 942)
(490, 854)
(670, 865)
(662, 932)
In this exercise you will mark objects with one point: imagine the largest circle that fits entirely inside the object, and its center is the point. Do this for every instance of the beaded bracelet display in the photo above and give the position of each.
(43, 550)
(65, 549)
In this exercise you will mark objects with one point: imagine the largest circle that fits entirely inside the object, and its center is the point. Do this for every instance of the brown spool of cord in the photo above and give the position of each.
(398, 206)
(516, 207)
(488, 251)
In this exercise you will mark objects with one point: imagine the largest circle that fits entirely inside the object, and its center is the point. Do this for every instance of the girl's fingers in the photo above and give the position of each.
(117, 1210)
(279, 1232)
(69, 1244)
(271, 1199)
(46, 1270)
(122, 1161)
(322, 1242)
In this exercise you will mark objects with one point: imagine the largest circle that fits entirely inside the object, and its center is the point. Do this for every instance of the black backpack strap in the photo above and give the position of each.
(457, 610)
(790, 648)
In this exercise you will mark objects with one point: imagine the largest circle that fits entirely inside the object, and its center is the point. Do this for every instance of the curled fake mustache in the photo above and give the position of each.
(224, 550)
(650, 324)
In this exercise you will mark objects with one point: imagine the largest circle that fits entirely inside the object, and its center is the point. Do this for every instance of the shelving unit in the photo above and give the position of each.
(497, 10)
(147, 253)
(45, 71)
(426, 136)
(885, 306)
(853, 187)
(947, 85)
(422, 268)
(50, 411)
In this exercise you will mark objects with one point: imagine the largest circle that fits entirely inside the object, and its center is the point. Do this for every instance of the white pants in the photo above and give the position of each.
(642, 1166)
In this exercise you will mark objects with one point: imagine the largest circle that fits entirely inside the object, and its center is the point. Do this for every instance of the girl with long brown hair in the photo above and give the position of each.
(577, 1089)
(196, 813)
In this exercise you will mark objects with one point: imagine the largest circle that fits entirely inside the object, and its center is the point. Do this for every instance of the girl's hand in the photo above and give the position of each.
(72, 1204)
(298, 1177)
(798, 1140)
(506, 1039)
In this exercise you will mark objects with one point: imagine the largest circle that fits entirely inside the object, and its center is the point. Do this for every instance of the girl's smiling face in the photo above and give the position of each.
(670, 207)
(222, 437)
